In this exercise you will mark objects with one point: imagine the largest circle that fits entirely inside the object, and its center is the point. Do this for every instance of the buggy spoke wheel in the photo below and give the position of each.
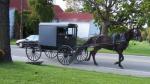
(64, 55)
(82, 56)
(51, 54)
(33, 53)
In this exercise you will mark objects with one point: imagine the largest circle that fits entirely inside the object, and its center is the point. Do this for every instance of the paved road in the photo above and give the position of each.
(134, 65)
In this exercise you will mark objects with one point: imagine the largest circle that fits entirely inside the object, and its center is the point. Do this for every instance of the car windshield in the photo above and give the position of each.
(33, 38)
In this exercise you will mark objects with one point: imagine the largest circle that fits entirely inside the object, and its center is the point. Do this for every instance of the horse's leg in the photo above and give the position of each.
(88, 58)
(86, 53)
(121, 58)
(93, 53)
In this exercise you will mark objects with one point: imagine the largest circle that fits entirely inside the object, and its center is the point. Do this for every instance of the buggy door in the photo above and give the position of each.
(67, 36)
(72, 36)
(61, 36)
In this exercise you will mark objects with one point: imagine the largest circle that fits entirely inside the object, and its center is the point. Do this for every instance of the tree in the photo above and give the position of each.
(4, 31)
(146, 11)
(43, 9)
(74, 5)
(40, 11)
(116, 14)
(17, 24)
(30, 23)
(146, 34)
(69, 10)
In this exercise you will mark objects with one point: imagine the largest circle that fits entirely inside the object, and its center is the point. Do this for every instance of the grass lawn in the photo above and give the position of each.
(13, 42)
(135, 48)
(21, 73)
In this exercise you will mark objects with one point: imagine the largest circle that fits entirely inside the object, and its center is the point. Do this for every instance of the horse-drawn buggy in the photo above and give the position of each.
(56, 40)
(60, 40)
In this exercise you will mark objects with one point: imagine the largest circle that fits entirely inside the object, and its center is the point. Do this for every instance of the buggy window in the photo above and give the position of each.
(70, 31)
(61, 31)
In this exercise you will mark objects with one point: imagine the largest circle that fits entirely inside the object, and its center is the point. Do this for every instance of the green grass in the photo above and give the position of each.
(20, 73)
(13, 42)
(134, 48)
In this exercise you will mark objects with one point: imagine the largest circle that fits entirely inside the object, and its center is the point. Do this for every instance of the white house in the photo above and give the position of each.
(11, 21)
(84, 20)
(19, 5)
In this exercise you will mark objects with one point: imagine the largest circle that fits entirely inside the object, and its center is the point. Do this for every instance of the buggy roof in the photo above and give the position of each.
(66, 25)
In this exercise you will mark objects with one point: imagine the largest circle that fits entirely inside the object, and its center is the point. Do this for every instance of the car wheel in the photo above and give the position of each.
(21, 45)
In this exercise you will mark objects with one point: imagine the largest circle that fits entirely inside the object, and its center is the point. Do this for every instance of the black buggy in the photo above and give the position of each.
(56, 40)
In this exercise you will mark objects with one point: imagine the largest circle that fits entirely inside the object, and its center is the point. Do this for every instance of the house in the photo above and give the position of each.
(84, 20)
(19, 5)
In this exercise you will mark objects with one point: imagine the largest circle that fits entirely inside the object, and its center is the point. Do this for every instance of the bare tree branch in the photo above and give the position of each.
(112, 3)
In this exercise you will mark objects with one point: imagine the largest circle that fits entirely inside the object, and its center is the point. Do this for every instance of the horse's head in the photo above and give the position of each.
(136, 34)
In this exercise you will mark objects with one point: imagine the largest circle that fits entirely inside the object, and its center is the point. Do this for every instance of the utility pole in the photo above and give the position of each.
(21, 27)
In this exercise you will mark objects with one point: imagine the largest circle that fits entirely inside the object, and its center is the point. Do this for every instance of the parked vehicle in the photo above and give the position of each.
(30, 39)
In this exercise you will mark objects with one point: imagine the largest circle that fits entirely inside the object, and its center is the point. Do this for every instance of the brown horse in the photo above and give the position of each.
(106, 42)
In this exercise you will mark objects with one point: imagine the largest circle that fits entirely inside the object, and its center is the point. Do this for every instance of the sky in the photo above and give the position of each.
(61, 3)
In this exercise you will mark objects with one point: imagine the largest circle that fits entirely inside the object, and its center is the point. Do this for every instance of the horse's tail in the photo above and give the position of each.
(85, 46)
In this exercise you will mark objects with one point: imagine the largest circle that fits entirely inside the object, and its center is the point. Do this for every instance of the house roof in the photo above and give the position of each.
(57, 9)
(17, 4)
(59, 13)
(71, 16)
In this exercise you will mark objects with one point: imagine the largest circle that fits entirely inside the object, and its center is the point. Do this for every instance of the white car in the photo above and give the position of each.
(22, 42)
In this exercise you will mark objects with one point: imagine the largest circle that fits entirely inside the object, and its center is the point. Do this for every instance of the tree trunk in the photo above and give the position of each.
(104, 29)
(5, 50)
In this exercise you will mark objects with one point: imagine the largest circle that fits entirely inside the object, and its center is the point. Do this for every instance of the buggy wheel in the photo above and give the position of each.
(20, 45)
(65, 55)
(82, 56)
(33, 53)
(51, 53)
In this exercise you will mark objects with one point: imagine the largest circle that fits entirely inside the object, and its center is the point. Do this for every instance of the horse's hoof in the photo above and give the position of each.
(96, 64)
(87, 60)
(121, 67)
(116, 63)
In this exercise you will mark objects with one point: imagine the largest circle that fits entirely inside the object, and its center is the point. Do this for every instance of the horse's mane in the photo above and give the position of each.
(129, 34)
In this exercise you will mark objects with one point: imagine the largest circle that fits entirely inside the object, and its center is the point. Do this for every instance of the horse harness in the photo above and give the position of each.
(118, 38)
(115, 40)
